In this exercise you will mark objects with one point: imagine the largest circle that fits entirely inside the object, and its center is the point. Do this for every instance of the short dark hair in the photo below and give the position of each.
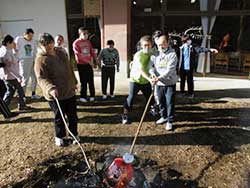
(110, 42)
(185, 38)
(82, 29)
(29, 30)
(59, 35)
(7, 39)
(165, 36)
(146, 38)
(45, 39)
(156, 34)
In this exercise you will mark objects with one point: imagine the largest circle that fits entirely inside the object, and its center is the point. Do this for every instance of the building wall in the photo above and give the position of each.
(115, 15)
(43, 16)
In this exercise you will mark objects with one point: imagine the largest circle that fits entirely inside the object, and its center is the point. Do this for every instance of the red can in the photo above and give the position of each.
(120, 174)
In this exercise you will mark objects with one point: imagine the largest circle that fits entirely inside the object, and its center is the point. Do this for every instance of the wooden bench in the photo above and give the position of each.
(245, 62)
(221, 61)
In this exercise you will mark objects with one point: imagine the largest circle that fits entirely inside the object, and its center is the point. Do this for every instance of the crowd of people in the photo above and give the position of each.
(154, 69)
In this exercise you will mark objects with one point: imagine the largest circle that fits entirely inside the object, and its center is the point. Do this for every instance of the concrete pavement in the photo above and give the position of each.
(201, 84)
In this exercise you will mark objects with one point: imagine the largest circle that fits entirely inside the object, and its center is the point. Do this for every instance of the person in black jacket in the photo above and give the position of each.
(186, 64)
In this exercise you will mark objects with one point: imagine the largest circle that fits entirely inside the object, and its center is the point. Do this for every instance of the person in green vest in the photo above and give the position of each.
(139, 74)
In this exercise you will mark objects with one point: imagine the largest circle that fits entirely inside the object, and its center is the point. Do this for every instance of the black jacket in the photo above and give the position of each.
(1, 63)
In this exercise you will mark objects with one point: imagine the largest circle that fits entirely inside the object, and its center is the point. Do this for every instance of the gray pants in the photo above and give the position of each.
(27, 71)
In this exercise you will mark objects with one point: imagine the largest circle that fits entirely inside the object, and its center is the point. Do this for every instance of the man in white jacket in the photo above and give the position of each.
(26, 47)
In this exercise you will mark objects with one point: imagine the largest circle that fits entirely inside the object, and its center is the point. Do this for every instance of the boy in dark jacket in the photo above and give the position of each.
(186, 64)
(109, 58)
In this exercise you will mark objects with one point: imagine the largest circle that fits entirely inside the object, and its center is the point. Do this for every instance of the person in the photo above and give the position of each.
(109, 57)
(7, 114)
(140, 80)
(164, 76)
(59, 43)
(225, 45)
(156, 34)
(155, 109)
(83, 52)
(27, 48)
(187, 63)
(2, 85)
(4, 109)
(11, 75)
(57, 80)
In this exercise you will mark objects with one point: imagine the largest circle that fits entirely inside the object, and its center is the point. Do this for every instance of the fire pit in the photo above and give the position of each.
(117, 174)
(70, 172)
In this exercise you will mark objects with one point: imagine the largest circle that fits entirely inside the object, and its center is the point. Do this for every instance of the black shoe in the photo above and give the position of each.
(190, 96)
(182, 94)
(12, 115)
(25, 108)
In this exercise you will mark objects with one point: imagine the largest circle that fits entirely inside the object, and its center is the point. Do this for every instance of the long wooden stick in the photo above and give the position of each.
(140, 124)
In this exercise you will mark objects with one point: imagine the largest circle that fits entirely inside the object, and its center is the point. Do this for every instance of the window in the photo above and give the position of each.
(146, 6)
(186, 5)
(235, 5)
(74, 7)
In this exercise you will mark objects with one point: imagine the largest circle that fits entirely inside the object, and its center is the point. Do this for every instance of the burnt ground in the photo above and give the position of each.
(209, 147)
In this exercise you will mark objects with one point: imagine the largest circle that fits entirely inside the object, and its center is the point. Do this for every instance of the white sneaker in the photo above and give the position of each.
(161, 120)
(74, 141)
(124, 119)
(169, 126)
(83, 100)
(112, 96)
(59, 141)
(104, 97)
(91, 99)
(35, 97)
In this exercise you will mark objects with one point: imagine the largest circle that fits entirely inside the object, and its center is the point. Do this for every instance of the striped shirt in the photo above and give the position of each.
(109, 57)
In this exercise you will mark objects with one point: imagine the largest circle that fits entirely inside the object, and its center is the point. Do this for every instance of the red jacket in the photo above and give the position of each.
(83, 51)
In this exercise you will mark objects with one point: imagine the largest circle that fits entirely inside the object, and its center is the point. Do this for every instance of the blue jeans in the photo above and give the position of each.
(12, 86)
(134, 88)
(167, 99)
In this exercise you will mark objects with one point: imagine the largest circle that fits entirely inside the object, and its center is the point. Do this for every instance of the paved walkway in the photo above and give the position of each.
(229, 86)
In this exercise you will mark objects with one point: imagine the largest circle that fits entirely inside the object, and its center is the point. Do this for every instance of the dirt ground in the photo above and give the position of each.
(209, 147)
